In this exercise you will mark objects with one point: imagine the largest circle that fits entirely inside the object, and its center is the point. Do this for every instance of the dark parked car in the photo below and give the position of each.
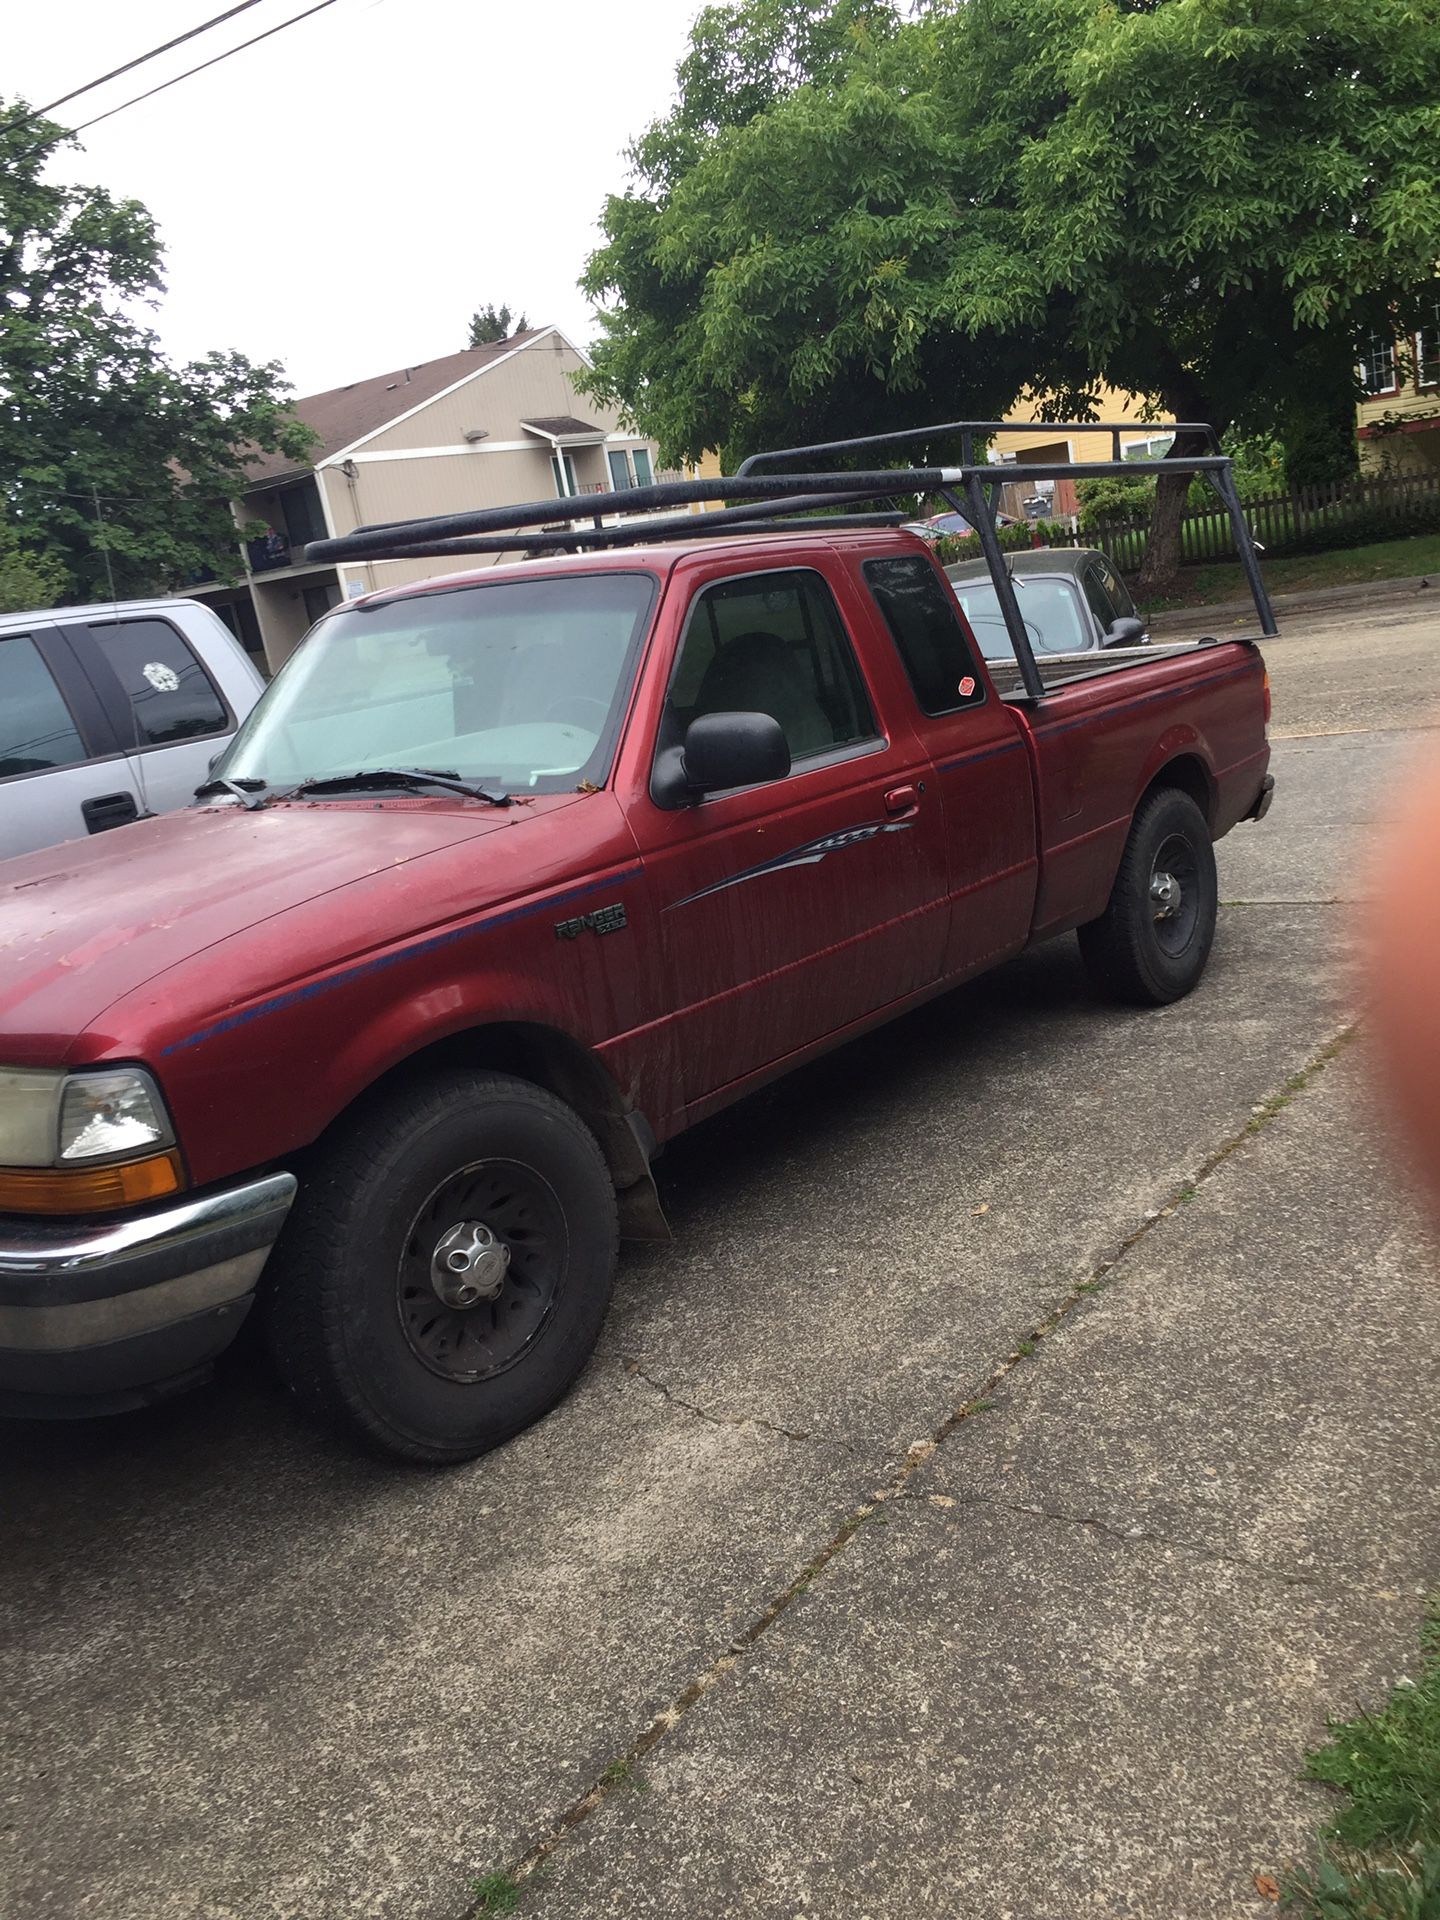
(1072, 598)
(950, 526)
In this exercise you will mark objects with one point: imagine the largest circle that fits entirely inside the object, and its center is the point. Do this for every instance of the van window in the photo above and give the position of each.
(170, 693)
(36, 731)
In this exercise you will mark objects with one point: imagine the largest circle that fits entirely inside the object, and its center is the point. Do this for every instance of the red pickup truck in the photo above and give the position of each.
(511, 876)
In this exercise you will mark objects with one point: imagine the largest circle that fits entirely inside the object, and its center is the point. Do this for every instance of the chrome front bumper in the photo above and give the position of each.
(117, 1309)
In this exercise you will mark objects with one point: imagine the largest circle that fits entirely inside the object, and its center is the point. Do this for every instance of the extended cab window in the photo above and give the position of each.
(771, 643)
(36, 731)
(169, 692)
(919, 610)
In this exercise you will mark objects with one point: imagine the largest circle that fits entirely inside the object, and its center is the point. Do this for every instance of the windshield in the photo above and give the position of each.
(1052, 616)
(518, 685)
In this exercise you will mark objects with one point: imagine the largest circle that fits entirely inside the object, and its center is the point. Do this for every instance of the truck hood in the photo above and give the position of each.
(86, 923)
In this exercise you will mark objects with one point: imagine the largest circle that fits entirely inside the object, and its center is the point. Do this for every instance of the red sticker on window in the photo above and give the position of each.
(967, 687)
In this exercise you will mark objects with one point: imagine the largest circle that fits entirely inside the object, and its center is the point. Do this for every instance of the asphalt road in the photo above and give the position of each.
(824, 1593)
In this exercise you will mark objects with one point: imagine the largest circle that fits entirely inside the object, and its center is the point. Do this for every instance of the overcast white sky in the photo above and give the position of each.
(343, 196)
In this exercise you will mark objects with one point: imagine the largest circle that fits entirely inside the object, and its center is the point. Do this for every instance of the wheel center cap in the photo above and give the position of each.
(1165, 895)
(468, 1265)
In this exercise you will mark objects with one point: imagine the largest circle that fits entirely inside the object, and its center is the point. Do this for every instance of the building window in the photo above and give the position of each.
(564, 475)
(1155, 447)
(1377, 364)
(630, 467)
(1427, 350)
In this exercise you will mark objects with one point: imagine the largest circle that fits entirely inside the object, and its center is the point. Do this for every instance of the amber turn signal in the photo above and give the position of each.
(89, 1189)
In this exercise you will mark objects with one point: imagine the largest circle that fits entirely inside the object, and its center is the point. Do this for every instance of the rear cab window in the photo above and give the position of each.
(169, 694)
(37, 730)
(921, 613)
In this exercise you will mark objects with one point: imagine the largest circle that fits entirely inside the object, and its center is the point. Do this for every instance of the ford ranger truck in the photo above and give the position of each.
(512, 875)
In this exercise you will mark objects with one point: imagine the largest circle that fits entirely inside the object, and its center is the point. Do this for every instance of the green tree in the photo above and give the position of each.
(27, 580)
(1198, 201)
(493, 323)
(90, 406)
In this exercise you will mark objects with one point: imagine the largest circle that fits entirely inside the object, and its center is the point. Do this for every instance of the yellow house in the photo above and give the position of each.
(1398, 421)
(1043, 442)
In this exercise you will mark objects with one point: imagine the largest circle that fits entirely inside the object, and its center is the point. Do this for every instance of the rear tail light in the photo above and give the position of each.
(1267, 696)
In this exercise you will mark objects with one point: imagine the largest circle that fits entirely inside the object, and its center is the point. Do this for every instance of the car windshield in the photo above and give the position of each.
(1052, 615)
(517, 685)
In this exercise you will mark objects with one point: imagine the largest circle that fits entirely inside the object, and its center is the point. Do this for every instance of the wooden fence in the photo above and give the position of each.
(1307, 520)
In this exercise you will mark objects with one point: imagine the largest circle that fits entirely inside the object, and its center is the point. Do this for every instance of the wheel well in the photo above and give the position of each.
(550, 1059)
(1191, 776)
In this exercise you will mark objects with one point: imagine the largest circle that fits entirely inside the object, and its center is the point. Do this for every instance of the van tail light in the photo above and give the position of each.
(1267, 696)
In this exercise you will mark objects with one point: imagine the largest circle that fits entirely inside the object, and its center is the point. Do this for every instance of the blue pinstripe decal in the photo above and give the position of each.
(313, 989)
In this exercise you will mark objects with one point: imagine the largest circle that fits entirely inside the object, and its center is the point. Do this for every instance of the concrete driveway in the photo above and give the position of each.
(1030, 1438)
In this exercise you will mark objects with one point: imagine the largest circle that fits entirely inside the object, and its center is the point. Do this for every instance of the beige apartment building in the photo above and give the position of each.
(484, 428)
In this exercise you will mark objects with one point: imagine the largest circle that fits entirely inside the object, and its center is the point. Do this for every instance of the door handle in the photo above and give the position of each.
(901, 800)
(108, 810)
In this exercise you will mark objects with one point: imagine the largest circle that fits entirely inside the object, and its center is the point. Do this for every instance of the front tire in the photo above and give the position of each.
(1150, 945)
(445, 1272)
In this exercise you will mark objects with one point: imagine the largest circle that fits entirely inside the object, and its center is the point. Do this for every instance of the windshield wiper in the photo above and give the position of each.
(364, 777)
(250, 793)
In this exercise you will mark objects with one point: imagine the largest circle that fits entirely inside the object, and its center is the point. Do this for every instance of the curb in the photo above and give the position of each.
(1313, 599)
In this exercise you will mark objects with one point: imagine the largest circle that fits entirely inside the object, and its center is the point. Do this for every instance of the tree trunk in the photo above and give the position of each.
(1163, 551)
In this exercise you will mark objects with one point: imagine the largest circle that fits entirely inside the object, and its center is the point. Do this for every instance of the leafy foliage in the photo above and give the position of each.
(494, 323)
(852, 218)
(27, 580)
(89, 404)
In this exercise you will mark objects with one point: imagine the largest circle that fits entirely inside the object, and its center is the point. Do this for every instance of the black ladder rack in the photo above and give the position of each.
(767, 502)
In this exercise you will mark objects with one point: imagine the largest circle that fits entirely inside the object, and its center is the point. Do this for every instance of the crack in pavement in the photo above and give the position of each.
(669, 1717)
(1128, 1535)
(734, 1420)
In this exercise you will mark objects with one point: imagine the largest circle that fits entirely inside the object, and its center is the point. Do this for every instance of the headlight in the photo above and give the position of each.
(56, 1119)
(104, 1115)
(29, 1117)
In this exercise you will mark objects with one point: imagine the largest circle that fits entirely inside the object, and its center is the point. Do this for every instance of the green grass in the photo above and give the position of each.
(495, 1893)
(1221, 580)
(621, 1773)
(1380, 1856)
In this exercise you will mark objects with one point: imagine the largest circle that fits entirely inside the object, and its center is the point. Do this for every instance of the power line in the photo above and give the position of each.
(130, 65)
(214, 61)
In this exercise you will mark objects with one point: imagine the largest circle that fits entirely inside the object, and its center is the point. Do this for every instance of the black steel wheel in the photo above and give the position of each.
(1152, 942)
(481, 1269)
(445, 1272)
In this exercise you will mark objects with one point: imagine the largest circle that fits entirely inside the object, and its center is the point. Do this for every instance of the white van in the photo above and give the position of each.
(111, 713)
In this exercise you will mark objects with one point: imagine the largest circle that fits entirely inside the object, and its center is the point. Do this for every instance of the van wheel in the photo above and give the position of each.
(444, 1274)
(1150, 945)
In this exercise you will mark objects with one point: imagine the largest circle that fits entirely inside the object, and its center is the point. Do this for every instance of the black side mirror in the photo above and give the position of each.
(720, 750)
(1126, 632)
(733, 750)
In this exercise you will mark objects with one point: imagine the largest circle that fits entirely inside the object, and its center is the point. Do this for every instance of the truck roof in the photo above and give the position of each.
(654, 558)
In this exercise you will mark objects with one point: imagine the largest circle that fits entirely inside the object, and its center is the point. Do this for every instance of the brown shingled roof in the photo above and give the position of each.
(563, 426)
(346, 414)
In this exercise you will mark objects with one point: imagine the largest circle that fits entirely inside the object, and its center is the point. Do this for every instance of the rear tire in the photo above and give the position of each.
(1150, 945)
(445, 1272)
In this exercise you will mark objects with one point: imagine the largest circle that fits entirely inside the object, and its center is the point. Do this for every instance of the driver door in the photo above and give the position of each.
(792, 909)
